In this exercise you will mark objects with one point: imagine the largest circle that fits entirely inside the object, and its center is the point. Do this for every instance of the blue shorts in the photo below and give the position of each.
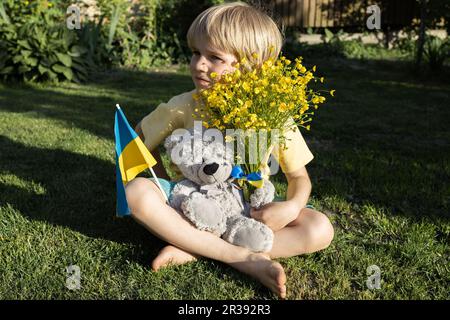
(166, 185)
(169, 185)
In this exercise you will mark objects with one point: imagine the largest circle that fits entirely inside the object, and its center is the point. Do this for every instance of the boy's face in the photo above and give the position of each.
(205, 60)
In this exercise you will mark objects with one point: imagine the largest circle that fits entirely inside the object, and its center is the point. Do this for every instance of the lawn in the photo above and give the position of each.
(381, 172)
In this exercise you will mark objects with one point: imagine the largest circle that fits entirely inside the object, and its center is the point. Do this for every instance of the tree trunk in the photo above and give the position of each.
(421, 39)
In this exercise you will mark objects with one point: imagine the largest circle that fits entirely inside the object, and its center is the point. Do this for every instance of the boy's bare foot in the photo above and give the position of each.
(269, 273)
(171, 255)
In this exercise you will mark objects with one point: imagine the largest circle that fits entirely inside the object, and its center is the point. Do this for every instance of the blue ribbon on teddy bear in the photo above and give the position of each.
(254, 178)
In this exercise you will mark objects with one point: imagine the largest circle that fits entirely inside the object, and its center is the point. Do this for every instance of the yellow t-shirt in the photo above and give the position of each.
(177, 113)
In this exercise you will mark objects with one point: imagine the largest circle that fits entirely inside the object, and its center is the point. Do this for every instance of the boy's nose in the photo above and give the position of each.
(211, 168)
(201, 65)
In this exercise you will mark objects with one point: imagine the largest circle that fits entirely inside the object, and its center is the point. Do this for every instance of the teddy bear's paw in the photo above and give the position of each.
(204, 213)
(180, 192)
(249, 233)
(262, 196)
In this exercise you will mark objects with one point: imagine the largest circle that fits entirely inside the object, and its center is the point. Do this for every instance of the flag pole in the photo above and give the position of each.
(159, 185)
(153, 174)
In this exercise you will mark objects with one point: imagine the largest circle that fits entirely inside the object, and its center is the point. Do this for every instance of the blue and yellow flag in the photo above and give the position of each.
(132, 157)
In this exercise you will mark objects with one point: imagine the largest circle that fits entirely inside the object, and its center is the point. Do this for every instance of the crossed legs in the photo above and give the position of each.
(310, 232)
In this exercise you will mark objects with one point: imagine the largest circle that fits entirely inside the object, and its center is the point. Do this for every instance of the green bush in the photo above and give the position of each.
(136, 41)
(333, 45)
(436, 52)
(174, 18)
(35, 45)
(149, 33)
(126, 35)
(407, 44)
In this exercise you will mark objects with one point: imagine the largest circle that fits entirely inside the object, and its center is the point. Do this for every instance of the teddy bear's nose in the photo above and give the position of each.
(211, 168)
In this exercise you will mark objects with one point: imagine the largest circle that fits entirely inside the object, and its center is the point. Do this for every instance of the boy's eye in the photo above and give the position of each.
(217, 58)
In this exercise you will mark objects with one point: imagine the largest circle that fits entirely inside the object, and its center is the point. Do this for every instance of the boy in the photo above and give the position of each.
(218, 38)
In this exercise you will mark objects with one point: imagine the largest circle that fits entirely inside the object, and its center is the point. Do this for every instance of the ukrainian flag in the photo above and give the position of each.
(132, 157)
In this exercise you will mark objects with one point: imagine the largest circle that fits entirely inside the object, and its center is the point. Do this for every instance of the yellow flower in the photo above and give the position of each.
(229, 139)
(283, 107)
(332, 92)
(259, 96)
(246, 86)
(315, 100)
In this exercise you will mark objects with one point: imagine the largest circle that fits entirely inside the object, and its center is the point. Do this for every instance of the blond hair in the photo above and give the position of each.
(239, 29)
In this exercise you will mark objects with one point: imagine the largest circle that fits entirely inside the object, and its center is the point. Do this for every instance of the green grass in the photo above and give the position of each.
(381, 172)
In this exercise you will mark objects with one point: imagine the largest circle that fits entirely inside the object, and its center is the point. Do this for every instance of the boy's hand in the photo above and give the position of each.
(276, 215)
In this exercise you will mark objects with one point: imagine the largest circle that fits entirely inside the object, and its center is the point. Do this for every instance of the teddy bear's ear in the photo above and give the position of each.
(176, 137)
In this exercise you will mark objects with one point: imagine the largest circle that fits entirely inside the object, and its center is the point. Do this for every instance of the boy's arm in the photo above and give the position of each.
(159, 169)
(299, 187)
(277, 215)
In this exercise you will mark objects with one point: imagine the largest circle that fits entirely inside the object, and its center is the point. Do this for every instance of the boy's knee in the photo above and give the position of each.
(325, 230)
(321, 231)
(136, 191)
(135, 188)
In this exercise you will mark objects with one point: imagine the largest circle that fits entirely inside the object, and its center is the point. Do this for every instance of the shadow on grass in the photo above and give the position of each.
(91, 106)
(383, 139)
(80, 190)
(78, 193)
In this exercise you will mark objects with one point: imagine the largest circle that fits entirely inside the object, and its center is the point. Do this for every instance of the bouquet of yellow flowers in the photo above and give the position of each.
(270, 97)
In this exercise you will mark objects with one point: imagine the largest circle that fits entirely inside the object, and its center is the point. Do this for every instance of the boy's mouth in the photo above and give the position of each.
(202, 81)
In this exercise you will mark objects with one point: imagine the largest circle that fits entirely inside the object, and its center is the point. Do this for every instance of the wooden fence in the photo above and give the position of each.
(341, 13)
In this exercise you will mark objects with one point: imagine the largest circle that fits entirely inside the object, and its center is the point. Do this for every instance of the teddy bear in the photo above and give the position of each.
(209, 197)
